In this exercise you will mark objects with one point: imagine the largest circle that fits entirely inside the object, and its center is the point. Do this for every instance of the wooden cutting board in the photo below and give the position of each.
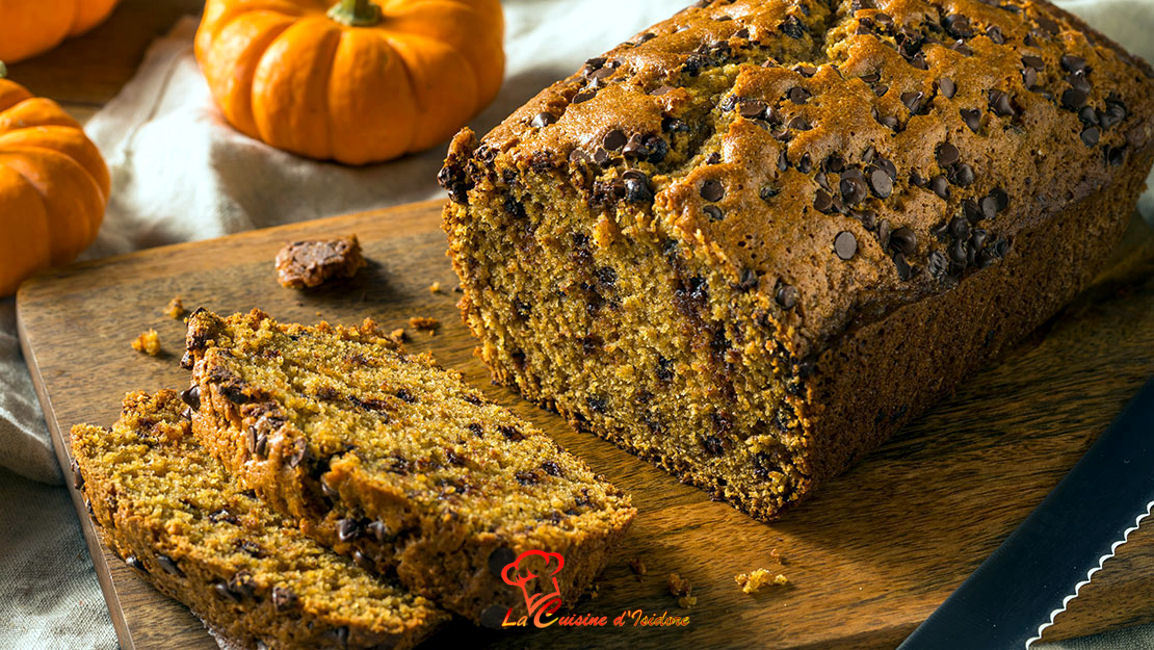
(869, 558)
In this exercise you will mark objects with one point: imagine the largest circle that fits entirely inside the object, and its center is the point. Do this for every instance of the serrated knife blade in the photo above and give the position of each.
(1016, 593)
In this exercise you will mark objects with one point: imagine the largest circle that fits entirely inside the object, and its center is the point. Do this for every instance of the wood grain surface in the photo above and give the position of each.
(871, 556)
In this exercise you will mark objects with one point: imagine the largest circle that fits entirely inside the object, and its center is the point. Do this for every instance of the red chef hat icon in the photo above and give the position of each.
(516, 575)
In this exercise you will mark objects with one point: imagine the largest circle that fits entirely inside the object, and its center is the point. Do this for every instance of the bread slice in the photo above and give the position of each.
(172, 513)
(398, 463)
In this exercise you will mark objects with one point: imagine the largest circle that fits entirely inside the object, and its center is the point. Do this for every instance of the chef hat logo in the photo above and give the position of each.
(521, 571)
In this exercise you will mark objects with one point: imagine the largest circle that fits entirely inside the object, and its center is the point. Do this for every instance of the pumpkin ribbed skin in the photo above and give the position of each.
(31, 27)
(283, 72)
(53, 186)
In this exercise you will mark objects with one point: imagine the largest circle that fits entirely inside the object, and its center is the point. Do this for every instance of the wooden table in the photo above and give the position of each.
(86, 72)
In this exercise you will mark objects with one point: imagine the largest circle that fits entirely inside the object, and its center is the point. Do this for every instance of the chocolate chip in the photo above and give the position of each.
(77, 477)
(1034, 63)
(972, 117)
(792, 27)
(902, 266)
(511, 433)
(805, 70)
(786, 296)
(637, 189)
(1030, 78)
(962, 175)
(1088, 115)
(940, 186)
(664, 368)
(1116, 155)
(947, 154)
(881, 183)
(191, 396)
(853, 189)
(235, 394)
(946, 85)
(135, 563)
(767, 192)
(551, 468)
(224, 593)
(348, 529)
(614, 140)
(284, 598)
(712, 190)
(223, 514)
(1071, 63)
(379, 531)
(526, 477)
(1073, 99)
(799, 123)
(958, 26)
(583, 96)
(805, 164)
(713, 212)
(903, 240)
(959, 253)
(913, 101)
(1090, 136)
(845, 245)
(798, 95)
(241, 584)
(500, 558)
(1001, 104)
(823, 202)
(1115, 112)
(542, 119)
(1079, 81)
(751, 108)
(995, 34)
(937, 265)
(299, 454)
(959, 228)
(169, 565)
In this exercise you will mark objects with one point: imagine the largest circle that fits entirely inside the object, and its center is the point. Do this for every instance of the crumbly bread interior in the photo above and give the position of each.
(171, 511)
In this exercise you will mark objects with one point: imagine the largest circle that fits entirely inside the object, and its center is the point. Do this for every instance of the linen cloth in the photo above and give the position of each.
(179, 174)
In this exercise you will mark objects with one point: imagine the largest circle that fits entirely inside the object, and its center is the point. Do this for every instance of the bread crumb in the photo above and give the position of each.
(637, 566)
(681, 588)
(755, 580)
(435, 287)
(147, 343)
(424, 324)
(175, 309)
(773, 553)
(398, 335)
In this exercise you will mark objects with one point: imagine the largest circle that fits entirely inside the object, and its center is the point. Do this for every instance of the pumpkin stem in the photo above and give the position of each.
(356, 13)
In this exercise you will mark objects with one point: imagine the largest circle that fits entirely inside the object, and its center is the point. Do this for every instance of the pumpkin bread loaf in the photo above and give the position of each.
(395, 462)
(170, 510)
(757, 238)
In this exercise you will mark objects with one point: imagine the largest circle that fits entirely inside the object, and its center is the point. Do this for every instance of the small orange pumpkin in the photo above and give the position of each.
(359, 82)
(30, 27)
(53, 185)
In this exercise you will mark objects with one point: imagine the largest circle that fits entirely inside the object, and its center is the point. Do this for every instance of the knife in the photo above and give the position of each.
(1016, 593)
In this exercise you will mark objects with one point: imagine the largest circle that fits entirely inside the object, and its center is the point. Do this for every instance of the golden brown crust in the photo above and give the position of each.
(750, 243)
(172, 513)
(395, 462)
(723, 60)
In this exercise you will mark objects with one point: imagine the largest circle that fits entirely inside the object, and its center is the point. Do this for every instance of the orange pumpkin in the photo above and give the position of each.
(53, 185)
(30, 27)
(359, 82)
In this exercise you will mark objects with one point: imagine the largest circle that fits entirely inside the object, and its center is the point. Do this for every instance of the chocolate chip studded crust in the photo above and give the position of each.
(395, 462)
(754, 240)
(174, 515)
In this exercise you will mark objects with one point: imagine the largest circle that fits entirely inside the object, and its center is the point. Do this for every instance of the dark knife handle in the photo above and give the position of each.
(1014, 594)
